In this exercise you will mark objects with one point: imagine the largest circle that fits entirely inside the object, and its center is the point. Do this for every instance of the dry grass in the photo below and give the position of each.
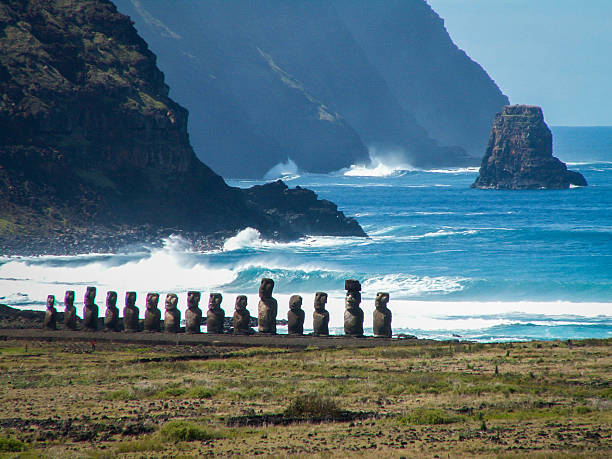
(540, 399)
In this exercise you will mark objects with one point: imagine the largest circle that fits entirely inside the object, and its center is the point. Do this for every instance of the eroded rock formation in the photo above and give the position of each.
(130, 313)
(90, 310)
(295, 316)
(193, 315)
(215, 315)
(520, 154)
(320, 317)
(353, 314)
(111, 316)
(382, 316)
(268, 307)
(152, 319)
(70, 312)
(242, 317)
(50, 321)
(172, 317)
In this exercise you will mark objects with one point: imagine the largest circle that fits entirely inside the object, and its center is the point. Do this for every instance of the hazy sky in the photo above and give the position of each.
(552, 53)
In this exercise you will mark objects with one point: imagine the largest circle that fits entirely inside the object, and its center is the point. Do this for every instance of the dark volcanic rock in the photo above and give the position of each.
(92, 149)
(519, 154)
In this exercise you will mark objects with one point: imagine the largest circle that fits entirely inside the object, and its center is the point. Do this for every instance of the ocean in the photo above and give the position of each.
(459, 263)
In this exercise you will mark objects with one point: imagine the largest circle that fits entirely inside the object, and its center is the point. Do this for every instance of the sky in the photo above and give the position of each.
(553, 53)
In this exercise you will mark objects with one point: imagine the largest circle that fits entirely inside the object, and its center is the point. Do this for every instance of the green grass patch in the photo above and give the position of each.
(429, 416)
(202, 392)
(176, 431)
(11, 445)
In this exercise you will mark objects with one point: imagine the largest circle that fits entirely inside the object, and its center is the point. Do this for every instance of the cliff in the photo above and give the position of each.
(448, 93)
(89, 138)
(519, 154)
(299, 80)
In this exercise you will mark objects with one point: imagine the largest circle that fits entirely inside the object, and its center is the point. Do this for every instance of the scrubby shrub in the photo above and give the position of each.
(11, 445)
(201, 392)
(312, 405)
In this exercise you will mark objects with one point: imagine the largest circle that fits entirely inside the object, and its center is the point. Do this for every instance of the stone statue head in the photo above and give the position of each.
(353, 299)
(295, 303)
(266, 287)
(50, 301)
(193, 299)
(130, 299)
(111, 299)
(382, 298)
(171, 301)
(69, 298)
(152, 300)
(90, 296)
(241, 302)
(320, 301)
(352, 285)
(214, 301)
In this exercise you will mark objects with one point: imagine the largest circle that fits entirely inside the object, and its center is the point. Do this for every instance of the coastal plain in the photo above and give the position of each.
(418, 399)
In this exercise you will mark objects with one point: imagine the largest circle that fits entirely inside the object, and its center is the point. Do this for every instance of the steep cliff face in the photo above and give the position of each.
(519, 154)
(89, 137)
(292, 76)
(449, 94)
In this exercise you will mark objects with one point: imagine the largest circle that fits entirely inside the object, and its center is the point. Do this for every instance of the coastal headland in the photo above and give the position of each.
(408, 399)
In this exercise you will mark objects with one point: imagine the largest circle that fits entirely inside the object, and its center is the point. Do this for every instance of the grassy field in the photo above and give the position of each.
(537, 399)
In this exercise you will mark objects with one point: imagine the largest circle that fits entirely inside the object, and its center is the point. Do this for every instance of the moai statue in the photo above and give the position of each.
(320, 318)
(382, 316)
(50, 322)
(193, 315)
(111, 317)
(353, 315)
(172, 318)
(70, 312)
(268, 307)
(215, 315)
(242, 317)
(130, 313)
(295, 316)
(91, 310)
(152, 319)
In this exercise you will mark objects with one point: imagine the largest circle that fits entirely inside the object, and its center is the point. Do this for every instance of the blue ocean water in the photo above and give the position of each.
(459, 263)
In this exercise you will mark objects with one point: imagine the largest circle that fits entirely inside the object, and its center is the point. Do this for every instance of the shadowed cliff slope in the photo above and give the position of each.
(450, 95)
(89, 138)
(297, 82)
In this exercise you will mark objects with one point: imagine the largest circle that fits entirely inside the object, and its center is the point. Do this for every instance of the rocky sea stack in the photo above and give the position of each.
(519, 155)
(95, 155)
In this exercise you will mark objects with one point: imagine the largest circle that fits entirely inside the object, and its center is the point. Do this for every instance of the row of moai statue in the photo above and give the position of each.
(215, 317)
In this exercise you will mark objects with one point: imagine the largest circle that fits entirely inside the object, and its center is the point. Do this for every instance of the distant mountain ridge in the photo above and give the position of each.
(319, 82)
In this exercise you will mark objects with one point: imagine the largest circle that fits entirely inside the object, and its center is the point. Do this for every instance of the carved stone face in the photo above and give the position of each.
(266, 287)
(171, 301)
(352, 300)
(320, 301)
(295, 302)
(90, 295)
(111, 299)
(382, 298)
(152, 300)
(69, 298)
(193, 299)
(241, 302)
(130, 299)
(214, 302)
(50, 301)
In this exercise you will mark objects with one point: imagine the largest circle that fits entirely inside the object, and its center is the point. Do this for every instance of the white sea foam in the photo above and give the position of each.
(406, 285)
(285, 170)
(251, 238)
(454, 170)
